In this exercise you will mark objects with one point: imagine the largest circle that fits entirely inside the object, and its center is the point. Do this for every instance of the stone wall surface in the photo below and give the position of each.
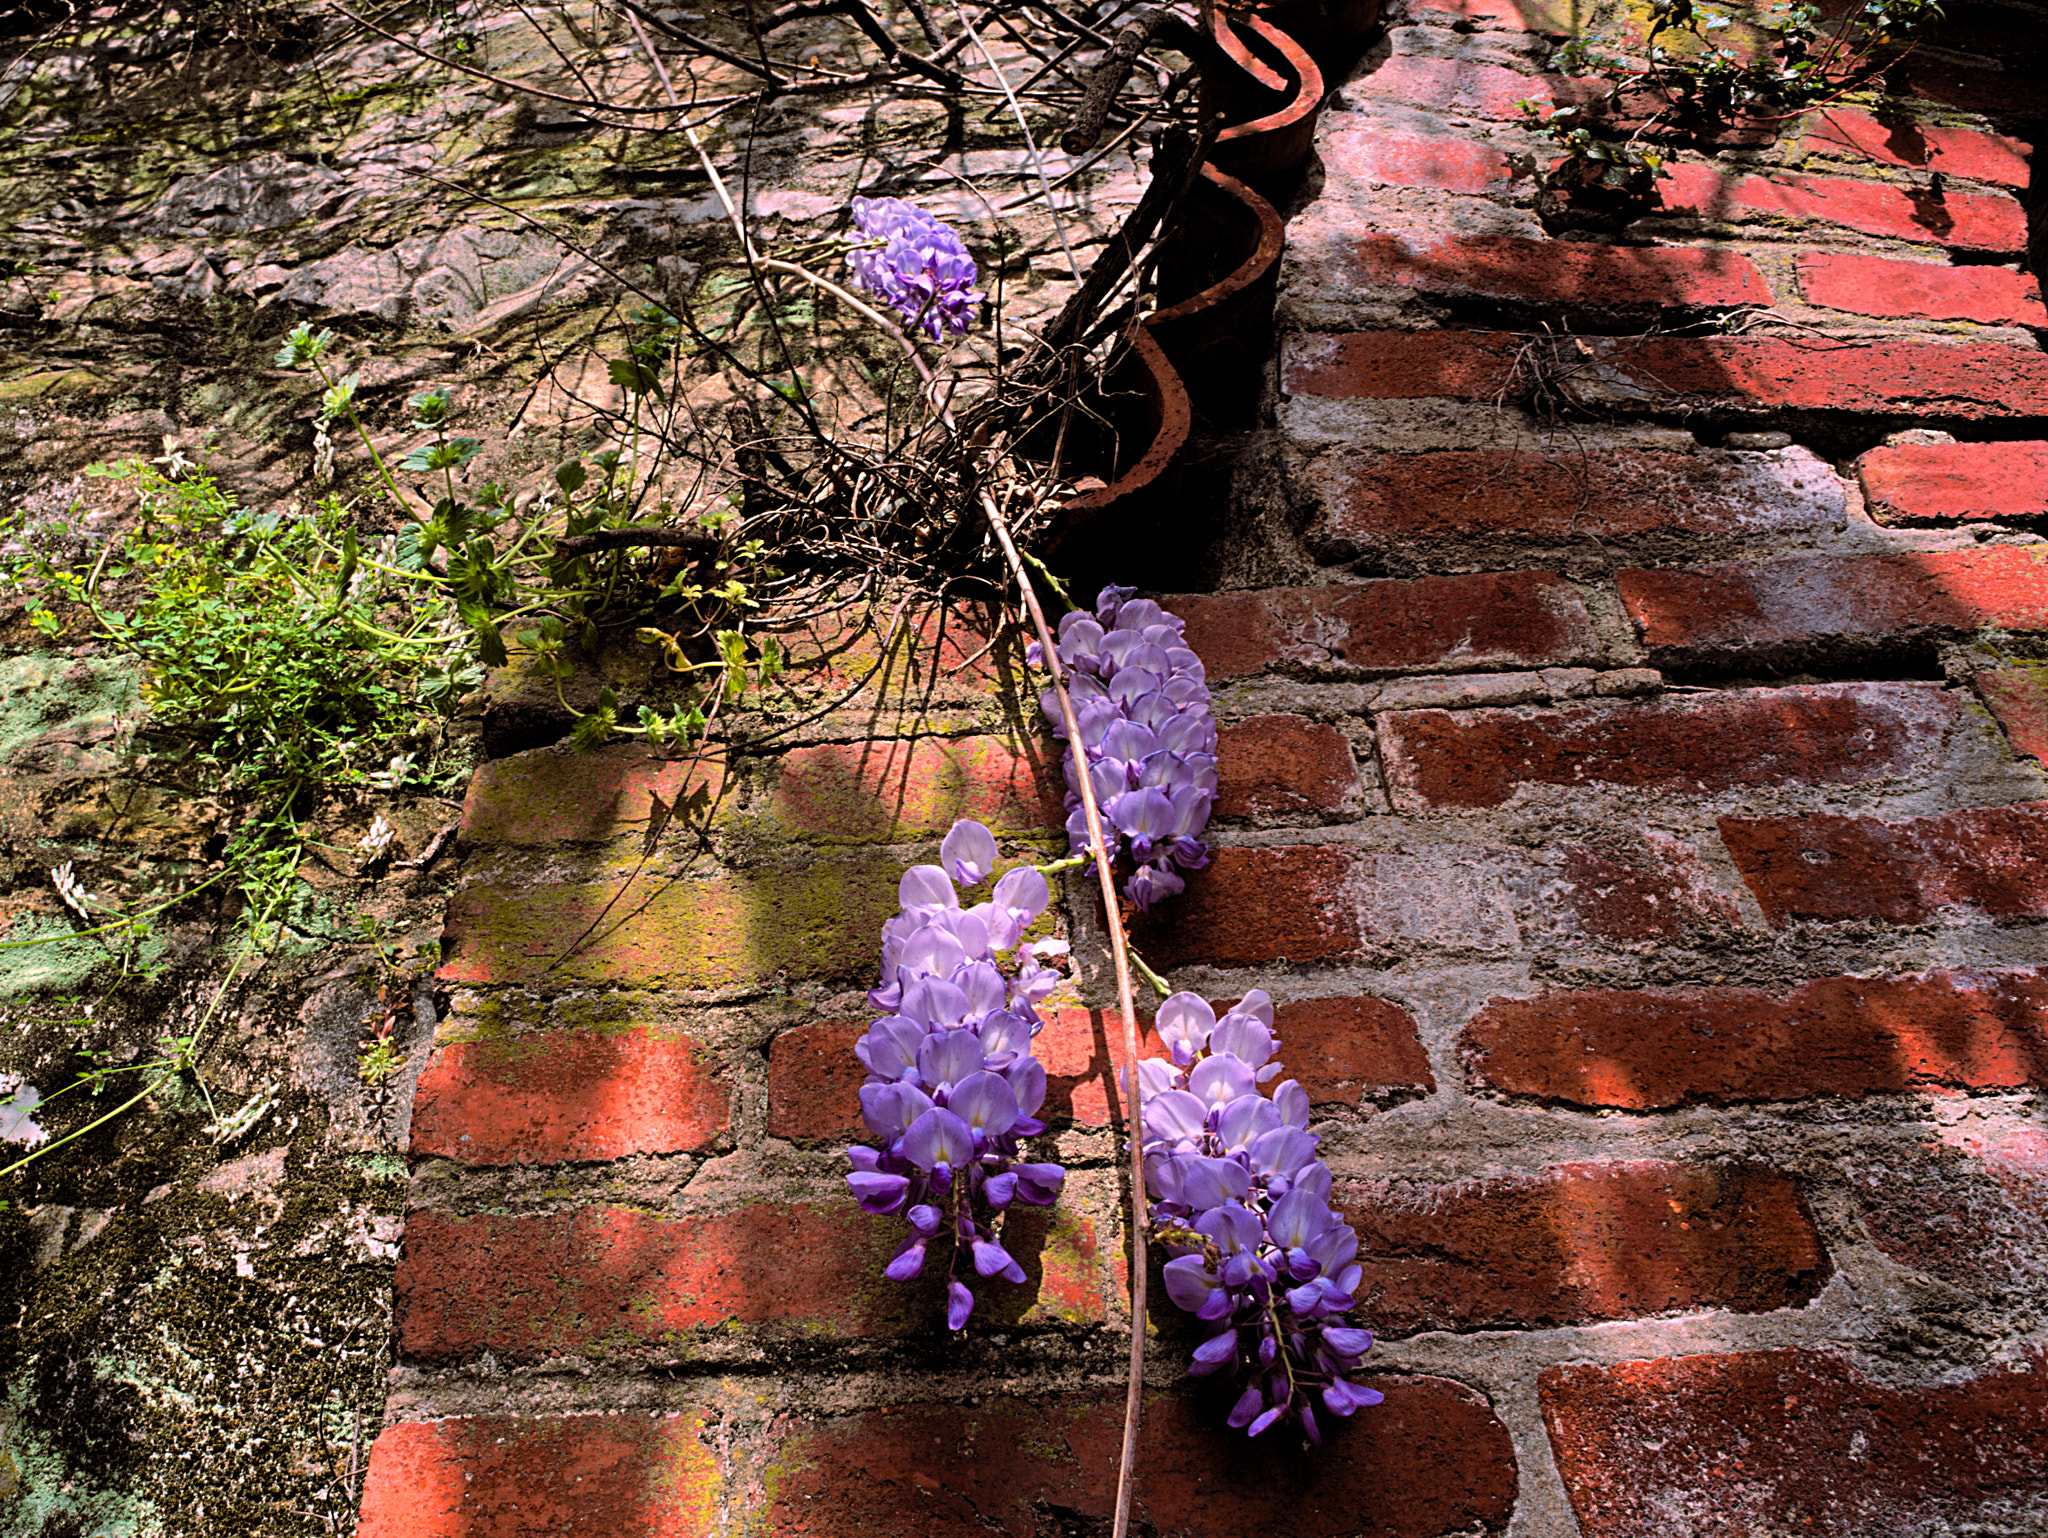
(1628, 645)
(1633, 798)
(1628, 654)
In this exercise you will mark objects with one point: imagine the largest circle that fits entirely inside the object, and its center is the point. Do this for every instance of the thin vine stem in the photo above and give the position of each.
(1120, 956)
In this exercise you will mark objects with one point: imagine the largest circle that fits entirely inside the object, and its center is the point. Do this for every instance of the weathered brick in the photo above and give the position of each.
(1934, 482)
(1821, 734)
(1433, 1459)
(1398, 365)
(1456, 87)
(569, 1095)
(887, 791)
(1372, 502)
(2019, 698)
(1558, 272)
(1441, 161)
(1633, 888)
(1970, 1209)
(1343, 1051)
(611, 1281)
(1258, 905)
(1974, 380)
(1652, 1048)
(1793, 604)
(711, 933)
(1795, 1441)
(515, 1476)
(1348, 1050)
(1876, 285)
(1977, 221)
(1581, 1242)
(1283, 766)
(814, 1082)
(1971, 380)
(1857, 136)
(1491, 619)
(1990, 859)
(554, 796)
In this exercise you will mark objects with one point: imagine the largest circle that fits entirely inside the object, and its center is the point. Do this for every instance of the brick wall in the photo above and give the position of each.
(1633, 797)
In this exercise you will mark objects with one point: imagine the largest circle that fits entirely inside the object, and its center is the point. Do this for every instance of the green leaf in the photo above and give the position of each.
(303, 347)
(429, 409)
(570, 477)
(630, 373)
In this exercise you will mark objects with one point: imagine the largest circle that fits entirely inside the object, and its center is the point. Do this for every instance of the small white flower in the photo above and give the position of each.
(71, 890)
(379, 838)
(173, 459)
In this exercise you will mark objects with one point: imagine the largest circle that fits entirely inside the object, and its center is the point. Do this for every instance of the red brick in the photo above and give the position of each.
(1652, 1048)
(1343, 1051)
(1556, 17)
(1795, 1441)
(1799, 602)
(887, 791)
(1559, 272)
(1972, 380)
(1651, 887)
(1398, 365)
(1970, 1210)
(1457, 87)
(1974, 220)
(1822, 734)
(1283, 766)
(1876, 285)
(814, 1082)
(2015, 94)
(1817, 866)
(1934, 482)
(1857, 136)
(1417, 160)
(515, 1476)
(1375, 501)
(1253, 906)
(720, 932)
(1579, 1243)
(1433, 1459)
(570, 1095)
(611, 1281)
(2019, 698)
(554, 796)
(1491, 619)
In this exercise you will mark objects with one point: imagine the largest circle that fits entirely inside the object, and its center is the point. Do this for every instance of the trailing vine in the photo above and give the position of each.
(1702, 72)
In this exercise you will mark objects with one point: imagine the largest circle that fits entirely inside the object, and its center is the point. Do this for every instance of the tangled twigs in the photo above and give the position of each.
(1084, 129)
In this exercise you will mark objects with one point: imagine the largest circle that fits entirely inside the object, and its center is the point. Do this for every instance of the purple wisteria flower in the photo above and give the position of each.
(1241, 1200)
(952, 1085)
(1143, 707)
(914, 264)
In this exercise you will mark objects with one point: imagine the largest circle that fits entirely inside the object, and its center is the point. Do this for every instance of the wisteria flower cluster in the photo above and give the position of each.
(952, 1085)
(1143, 706)
(914, 264)
(1243, 1203)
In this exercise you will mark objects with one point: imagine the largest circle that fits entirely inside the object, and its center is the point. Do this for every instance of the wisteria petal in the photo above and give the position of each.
(926, 886)
(938, 1137)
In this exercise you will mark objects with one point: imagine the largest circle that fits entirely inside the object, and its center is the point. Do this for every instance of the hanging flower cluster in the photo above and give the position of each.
(915, 265)
(952, 1085)
(1143, 707)
(1242, 1202)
